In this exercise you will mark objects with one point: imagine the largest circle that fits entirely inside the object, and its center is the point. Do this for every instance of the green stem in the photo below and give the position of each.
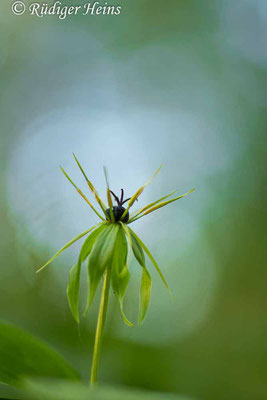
(100, 325)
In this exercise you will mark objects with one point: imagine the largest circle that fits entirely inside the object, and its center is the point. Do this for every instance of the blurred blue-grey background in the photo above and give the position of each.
(180, 83)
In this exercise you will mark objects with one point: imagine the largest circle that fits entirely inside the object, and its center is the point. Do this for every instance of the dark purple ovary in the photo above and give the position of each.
(118, 212)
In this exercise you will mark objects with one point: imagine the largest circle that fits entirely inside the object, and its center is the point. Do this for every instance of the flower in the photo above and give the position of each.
(109, 246)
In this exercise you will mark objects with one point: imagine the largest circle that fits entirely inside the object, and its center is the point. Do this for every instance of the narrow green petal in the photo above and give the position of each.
(66, 246)
(156, 207)
(92, 188)
(110, 203)
(146, 283)
(75, 273)
(151, 258)
(106, 176)
(150, 205)
(139, 191)
(119, 271)
(165, 203)
(81, 194)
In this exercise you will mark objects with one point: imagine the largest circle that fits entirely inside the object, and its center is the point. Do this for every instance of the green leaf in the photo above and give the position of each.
(75, 273)
(66, 246)
(119, 271)
(10, 392)
(73, 290)
(39, 389)
(145, 289)
(128, 234)
(151, 258)
(89, 242)
(100, 258)
(22, 354)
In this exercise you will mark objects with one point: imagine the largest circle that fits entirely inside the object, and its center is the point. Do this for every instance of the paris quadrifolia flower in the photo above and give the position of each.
(107, 250)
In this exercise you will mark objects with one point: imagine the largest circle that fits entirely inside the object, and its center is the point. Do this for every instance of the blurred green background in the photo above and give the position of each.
(183, 83)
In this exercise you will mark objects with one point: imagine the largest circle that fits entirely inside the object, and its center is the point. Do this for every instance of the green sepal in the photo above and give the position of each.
(119, 272)
(100, 258)
(146, 283)
(75, 273)
(152, 259)
(65, 247)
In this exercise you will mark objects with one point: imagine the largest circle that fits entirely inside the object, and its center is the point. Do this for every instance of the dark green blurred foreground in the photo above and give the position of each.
(23, 356)
(183, 84)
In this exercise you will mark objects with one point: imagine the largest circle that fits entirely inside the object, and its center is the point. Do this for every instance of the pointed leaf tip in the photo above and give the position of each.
(125, 319)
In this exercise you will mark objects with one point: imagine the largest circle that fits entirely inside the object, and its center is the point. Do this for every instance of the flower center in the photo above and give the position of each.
(118, 212)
